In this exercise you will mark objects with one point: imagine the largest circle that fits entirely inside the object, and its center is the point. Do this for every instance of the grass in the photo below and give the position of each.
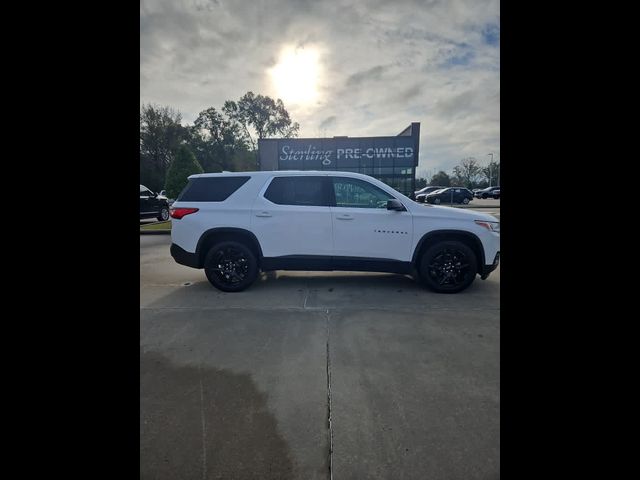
(157, 226)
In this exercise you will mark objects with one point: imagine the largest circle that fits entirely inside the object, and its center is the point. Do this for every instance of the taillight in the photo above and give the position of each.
(178, 213)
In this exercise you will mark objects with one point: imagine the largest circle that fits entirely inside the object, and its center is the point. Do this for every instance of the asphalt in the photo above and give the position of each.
(315, 375)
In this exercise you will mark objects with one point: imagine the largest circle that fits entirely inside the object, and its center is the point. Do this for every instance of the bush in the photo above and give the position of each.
(183, 165)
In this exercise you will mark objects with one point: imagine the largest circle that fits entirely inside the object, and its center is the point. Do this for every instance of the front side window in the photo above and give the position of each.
(356, 193)
(302, 191)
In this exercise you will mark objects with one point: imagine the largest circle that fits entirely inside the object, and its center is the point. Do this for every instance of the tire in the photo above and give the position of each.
(465, 200)
(436, 201)
(163, 215)
(449, 266)
(230, 266)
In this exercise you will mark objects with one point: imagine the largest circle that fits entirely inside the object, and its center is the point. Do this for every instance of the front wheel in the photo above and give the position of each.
(230, 266)
(448, 267)
(163, 215)
(465, 201)
(437, 201)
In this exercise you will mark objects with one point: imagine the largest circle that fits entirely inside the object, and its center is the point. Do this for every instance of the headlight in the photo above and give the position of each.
(491, 226)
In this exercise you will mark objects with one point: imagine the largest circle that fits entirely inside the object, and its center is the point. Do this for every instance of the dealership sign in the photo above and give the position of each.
(337, 153)
(289, 153)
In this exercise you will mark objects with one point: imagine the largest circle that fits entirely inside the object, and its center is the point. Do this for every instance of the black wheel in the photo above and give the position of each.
(436, 201)
(230, 266)
(163, 215)
(465, 200)
(448, 267)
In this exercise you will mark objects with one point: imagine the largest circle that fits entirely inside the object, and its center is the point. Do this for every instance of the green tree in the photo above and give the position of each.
(262, 114)
(183, 165)
(420, 183)
(217, 140)
(467, 172)
(160, 136)
(491, 173)
(440, 179)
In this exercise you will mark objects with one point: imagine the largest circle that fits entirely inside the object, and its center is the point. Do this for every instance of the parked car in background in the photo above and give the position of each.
(496, 194)
(153, 205)
(486, 192)
(163, 194)
(421, 194)
(450, 195)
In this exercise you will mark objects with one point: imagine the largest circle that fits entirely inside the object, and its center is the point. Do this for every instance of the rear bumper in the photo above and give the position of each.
(487, 269)
(183, 257)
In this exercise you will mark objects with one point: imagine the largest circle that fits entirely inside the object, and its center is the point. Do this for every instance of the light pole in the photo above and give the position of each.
(490, 173)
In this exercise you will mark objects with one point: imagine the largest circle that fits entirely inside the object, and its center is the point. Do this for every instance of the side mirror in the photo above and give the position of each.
(394, 204)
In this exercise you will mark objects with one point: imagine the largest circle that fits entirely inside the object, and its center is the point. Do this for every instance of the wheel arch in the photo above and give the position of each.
(219, 234)
(435, 236)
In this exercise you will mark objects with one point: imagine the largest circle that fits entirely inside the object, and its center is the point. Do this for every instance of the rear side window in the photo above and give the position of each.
(211, 189)
(305, 191)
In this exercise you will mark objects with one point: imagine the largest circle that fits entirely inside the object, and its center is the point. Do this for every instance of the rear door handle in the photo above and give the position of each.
(344, 217)
(263, 214)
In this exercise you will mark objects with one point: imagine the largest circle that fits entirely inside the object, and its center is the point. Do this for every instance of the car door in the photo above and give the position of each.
(362, 225)
(146, 198)
(291, 217)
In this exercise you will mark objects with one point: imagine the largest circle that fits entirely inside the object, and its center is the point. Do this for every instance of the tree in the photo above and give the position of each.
(183, 165)
(492, 173)
(160, 136)
(420, 183)
(217, 141)
(440, 179)
(467, 172)
(267, 117)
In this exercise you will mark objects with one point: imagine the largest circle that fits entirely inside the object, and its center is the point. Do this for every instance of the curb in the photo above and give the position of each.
(155, 232)
(475, 206)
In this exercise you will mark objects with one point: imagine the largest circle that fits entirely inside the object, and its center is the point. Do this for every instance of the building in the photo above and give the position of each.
(392, 160)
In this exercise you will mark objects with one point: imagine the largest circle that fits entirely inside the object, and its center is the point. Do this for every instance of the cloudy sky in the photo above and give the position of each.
(342, 67)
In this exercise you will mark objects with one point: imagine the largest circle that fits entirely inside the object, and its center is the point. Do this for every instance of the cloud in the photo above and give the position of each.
(383, 65)
(359, 78)
(328, 122)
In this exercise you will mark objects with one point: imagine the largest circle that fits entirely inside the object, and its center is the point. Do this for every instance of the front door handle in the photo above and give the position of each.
(344, 217)
(263, 214)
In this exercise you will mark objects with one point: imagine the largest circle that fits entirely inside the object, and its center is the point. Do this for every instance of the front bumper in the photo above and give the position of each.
(487, 269)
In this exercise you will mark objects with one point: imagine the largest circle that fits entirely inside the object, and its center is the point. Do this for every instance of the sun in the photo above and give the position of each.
(295, 76)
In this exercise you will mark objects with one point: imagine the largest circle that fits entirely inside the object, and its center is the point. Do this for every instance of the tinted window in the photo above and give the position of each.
(306, 191)
(145, 193)
(211, 189)
(355, 193)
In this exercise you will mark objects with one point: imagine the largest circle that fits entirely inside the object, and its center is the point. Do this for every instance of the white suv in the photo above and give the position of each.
(235, 224)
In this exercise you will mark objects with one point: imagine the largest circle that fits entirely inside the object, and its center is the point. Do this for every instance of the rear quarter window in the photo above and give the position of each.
(211, 189)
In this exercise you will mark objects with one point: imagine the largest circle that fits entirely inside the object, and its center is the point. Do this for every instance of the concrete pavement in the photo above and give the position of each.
(236, 385)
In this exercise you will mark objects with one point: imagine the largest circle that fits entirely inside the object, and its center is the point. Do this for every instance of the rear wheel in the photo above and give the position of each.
(163, 215)
(448, 267)
(465, 200)
(230, 266)
(436, 201)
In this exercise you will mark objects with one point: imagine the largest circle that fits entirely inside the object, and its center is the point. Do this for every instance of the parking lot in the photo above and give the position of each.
(316, 375)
